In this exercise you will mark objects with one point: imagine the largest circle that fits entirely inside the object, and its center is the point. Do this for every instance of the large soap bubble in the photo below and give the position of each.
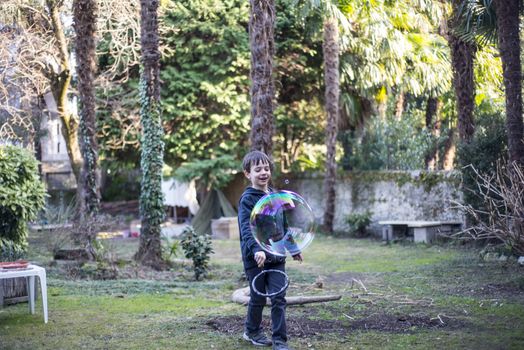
(282, 223)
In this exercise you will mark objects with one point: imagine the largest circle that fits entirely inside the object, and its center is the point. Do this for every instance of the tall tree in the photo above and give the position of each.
(331, 52)
(462, 57)
(507, 12)
(60, 80)
(332, 17)
(487, 22)
(85, 15)
(433, 127)
(151, 199)
(392, 47)
(262, 46)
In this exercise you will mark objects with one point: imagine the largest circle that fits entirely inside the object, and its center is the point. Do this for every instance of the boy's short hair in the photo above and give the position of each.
(255, 157)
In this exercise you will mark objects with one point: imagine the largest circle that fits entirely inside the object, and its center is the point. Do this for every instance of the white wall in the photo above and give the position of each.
(388, 195)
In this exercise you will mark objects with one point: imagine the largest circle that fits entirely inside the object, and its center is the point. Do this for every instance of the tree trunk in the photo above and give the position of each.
(433, 126)
(462, 56)
(507, 12)
(332, 85)
(85, 13)
(262, 45)
(448, 158)
(152, 146)
(60, 83)
(399, 105)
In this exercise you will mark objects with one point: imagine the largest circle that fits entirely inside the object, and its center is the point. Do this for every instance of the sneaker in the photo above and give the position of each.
(258, 339)
(280, 345)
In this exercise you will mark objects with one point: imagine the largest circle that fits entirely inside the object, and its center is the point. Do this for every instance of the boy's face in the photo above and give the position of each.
(259, 175)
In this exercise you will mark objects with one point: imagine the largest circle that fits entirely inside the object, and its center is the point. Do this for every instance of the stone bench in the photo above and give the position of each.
(423, 231)
(50, 227)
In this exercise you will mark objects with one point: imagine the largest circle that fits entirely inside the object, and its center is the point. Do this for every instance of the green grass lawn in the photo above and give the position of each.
(393, 297)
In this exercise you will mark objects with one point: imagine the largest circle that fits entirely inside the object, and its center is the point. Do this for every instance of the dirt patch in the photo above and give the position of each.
(404, 323)
(509, 290)
(502, 289)
(295, 327)
(306, 327)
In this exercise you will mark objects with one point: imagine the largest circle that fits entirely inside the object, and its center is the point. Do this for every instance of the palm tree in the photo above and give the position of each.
(485, 22)
(331, 51)
(85, 14)
(507, 13)
(333, 17)
(392, 47)
(151, 200)
(262, 46)
(462, 57)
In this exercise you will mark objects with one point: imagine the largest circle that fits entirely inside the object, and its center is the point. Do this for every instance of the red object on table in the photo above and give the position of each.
(20, 264)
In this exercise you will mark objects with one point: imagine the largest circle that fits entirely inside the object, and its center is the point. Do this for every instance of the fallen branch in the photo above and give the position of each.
(241, 296)
(440, 319)
(359, 282)
(351, 318)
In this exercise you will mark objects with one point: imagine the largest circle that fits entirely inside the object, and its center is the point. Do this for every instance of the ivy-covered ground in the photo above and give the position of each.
(393, 297)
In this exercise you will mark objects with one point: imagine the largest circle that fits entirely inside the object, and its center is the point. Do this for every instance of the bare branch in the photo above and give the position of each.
(502, 215)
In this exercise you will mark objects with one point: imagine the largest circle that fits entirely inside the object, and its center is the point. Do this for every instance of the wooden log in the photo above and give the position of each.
(72, 254)
(241, 296)
(16, 300)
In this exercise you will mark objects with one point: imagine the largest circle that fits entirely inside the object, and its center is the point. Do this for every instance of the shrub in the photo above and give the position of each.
(480, 156)
(169, 247)
(22, 195)
(391, 144)
(197, 248)
(59, 215)
(358, 222)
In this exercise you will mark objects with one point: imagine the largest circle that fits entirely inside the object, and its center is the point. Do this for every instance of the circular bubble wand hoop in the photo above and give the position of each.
(281, 222)
(269, 295)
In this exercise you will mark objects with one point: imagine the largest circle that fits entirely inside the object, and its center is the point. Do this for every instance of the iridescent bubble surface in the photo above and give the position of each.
(283, 223)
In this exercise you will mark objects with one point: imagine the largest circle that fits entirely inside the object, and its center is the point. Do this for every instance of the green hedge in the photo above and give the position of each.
(22, 195)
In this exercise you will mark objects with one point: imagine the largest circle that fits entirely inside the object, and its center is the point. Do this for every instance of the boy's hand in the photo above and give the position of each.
(298, 257)
(260, 258)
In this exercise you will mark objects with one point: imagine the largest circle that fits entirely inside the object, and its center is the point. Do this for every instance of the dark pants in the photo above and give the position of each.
(267, 283)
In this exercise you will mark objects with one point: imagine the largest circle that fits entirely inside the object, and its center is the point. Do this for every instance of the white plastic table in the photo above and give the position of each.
(29, 273)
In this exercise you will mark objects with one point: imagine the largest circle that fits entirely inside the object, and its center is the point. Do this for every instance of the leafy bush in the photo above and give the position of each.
(22, 195)
(209, 60)
(197, 248)
(169, 247)
(391, 145)
(488, 146)
(213, 173)
(358, 222)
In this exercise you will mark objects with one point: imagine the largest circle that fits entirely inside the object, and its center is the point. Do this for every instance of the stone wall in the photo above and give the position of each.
(412, 195)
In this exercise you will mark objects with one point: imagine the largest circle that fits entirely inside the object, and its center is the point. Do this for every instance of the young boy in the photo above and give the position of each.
(257, 168)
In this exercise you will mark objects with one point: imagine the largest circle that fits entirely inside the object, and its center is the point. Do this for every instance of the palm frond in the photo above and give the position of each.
(339, 9)
(477, 22)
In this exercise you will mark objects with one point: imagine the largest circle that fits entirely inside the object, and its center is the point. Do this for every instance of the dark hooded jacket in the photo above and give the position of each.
(248, 244)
